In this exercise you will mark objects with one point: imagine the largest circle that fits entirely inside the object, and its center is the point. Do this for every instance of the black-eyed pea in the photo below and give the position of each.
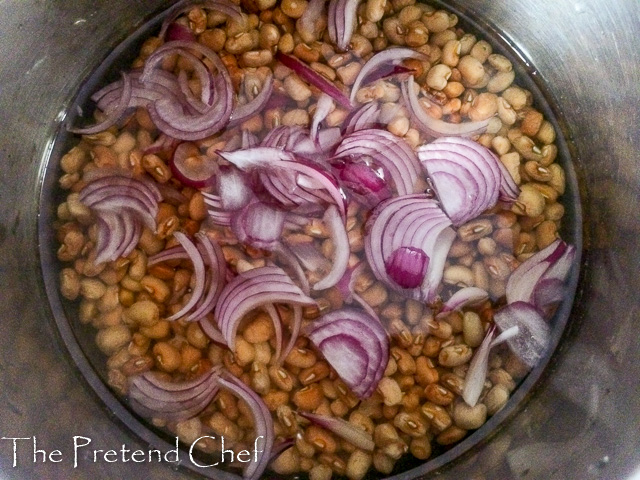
(437, 21)
(546, 233)
(390, 391)
(301, 358)
(471, 70)
(156, 288)
(394, 30)
(467, 417)
(281, 378)
(517, 97)
(454, 355)
(348, 73)
(458, 275)
(531, 123)
(157, 331)
(548, 154)
(554, 211)
(144, 313)
(308, 398)
(156, 167)
(296, 117)
(73, 160)
(189, 358)
(416, 34)
(475, 230)
(439, 418)
(499, 376)
(410, 423)
(451, 435)
(320, 472)
(296, 88)
(438, 394)
(92, 288)
(453, 89)
(213, 38)
(404, 360)
(467, 41)
(399, 126)
(315, 373)
(426, 373)
(497, 267)
(495, 399)
(110, 299)
(383, 463)
(375, 9)
(375, 295)
(483, 107)
(167, 356)
(530, 202)
(420, 447)
(69, 283)
(438, 76)
(293, 8)
(358, 465)
(506, 113)
(500, 81)
(558, 178)
(150, 243)
(244, 352)
(546, 133)
(360, 45)
(137, 365)
(109, 340)
(259, 330)
(286, 43)
(275, 398)
(384, 434)
(320, 439)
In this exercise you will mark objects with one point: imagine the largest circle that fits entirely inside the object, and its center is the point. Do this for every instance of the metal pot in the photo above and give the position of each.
(581, 420)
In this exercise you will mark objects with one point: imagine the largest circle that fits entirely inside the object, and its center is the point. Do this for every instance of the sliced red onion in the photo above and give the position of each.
(233, 189)
(392, 56)
(290, 180)
(152, 396)
(341, 20)
(533, 336)
(259, 225)
(508, 189)
(253, 107)
(178, 31)
(198, 271)
(263, 423)
(363, 181)
(112, 115)
(464, 297)
(164, 143)
(407, 266)
(310, 257)
(345, 430)
(252, 289)
(410, 221)
(365, 117)
(323, 108)
(226, 7)
(209, 328)
(548, 267)
(249, 139)
(314, 78)
(477, 373)
(170, 117)
(191, 167)
(355, 345)
(388, 152)
(216, 266)
(467, 179)
(338, 232)
(435, 127)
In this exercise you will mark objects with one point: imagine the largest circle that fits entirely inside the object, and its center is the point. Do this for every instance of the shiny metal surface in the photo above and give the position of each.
(582, 422)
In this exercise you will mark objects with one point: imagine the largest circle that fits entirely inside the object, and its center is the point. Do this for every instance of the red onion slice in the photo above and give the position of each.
(286, 174)
(464, 297)
(191, 167)
(407, 266)
(314, 78)
(198, 271)
(391, 56)
(323, 108)
(214, 259)
(253, 107)
(345, 430)
(434, 127)
(154, 397)
(508, 189)
(259, 225)
(363, 181)
(252, 289)
(365, 117)
(177, 31)
(533, 337)
(409, 221)
(477, 373)
(341, 21)
(112, 115)
(233, 189)
(262, 421)
(355, 345)
(391, 153)
(341, 249)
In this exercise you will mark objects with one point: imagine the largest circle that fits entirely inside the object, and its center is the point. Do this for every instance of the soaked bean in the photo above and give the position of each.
(454, 355)
(390, 391)
(495, 399)
(469, 418)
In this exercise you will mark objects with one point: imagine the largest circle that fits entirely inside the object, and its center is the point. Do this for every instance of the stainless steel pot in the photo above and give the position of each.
(582, 420)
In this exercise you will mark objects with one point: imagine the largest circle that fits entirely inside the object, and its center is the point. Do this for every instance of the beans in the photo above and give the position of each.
(358, 465)
(530, 202)
(501, 81)
(69, 283)
(484, 106)
(309, 397)
(451, 435)
(92, 289)
(458, 275)
(109, 340)
(438, 394)
(296, 88)
(144, 312)
(348, 73)
(420, 447)
(390, 391)
(469, 418)
(438, 76)
(314, 373)
(454, 355)
(321, 439)
(301, 358)
(293, 8)
(374, 10)
(410, 423)
(471, 70)
(475, 229)
(281, 378)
